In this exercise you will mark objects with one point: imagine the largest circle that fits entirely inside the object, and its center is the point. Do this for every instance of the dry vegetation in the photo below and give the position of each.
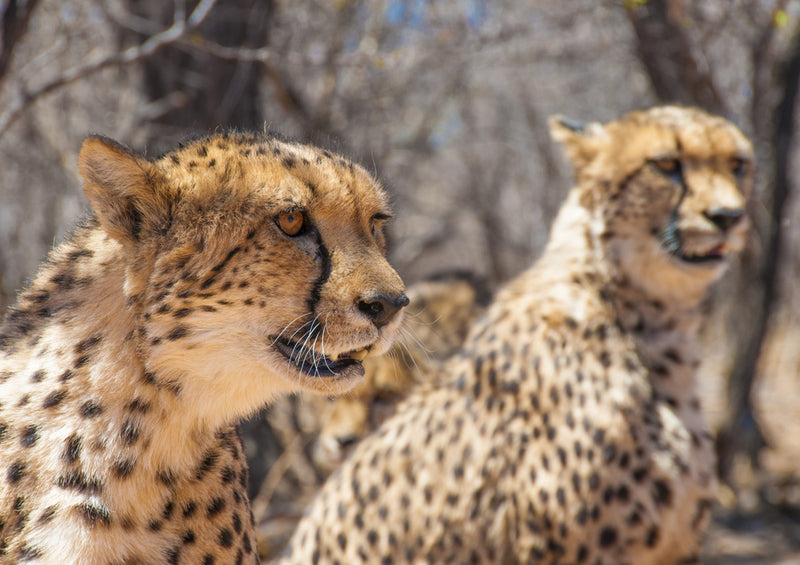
(447, 101)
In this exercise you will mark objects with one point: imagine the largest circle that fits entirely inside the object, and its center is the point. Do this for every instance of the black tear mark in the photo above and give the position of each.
(325, 272)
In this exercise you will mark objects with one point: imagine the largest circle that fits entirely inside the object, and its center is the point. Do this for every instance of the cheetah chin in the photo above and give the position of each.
(316, 364)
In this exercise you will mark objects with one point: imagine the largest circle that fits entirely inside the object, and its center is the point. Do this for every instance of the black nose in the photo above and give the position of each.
(347, 441)
(381, 308)
(724, 218)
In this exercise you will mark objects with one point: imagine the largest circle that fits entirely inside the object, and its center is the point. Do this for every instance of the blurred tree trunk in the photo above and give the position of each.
(14, 18)
(670, 57)
(740, 432)
(193, 90)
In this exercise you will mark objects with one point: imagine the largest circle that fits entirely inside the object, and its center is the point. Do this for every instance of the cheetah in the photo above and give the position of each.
(205, 283)
(569, 429)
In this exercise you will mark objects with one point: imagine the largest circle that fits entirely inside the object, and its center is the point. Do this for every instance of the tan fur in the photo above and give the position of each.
(569, 430)
(127, 362)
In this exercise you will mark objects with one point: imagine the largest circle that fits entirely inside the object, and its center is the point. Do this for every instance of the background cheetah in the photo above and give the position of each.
(229, 270)
(570, 431)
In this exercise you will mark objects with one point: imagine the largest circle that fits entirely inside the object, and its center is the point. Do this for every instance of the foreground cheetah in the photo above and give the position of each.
(205, 283)
(571, 431)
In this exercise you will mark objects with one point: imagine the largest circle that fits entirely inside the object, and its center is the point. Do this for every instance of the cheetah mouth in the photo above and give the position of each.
(713, 256)
(315, 364)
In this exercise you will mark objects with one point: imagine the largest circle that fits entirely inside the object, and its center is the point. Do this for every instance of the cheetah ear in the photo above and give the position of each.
(581, 141)
(122, 189)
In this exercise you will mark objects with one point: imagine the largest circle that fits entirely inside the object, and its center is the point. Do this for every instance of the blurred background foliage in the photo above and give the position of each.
(447, 102)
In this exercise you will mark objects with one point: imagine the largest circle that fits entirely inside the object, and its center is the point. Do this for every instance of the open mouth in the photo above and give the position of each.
(315, 364)
(713, 255)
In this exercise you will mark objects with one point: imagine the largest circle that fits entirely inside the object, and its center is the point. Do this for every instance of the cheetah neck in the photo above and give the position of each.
(666, 333)
(125, 415)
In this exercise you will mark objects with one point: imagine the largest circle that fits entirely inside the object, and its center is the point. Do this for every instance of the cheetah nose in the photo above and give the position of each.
(381, 308)
(724, 218)
(346, 441)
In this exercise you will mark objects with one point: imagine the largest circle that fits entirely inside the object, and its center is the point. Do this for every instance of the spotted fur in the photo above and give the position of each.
(569, 430)
(181, 305)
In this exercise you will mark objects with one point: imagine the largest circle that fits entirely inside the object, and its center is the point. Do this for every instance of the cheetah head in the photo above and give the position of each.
(251, 265)
(667, 190)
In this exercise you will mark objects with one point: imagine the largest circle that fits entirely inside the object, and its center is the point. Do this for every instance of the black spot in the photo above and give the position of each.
(73, 448)
(189, 509)
(166, 476)
(216, 506)
(16, 472)
(208, 559)
(78, 480)
(652, 537)
(188, 537)
(81, 361)
(88, 343)
(123, 468)
(662, 494)
(47, 515)
(130, 432)
(29, 436)
(206, 464)
(372, 537)
(94, 514)
(608, 536)
(38, 376)
(29, 553)
(90, 409)
(177, 333)
(225, 538)
(54, 398)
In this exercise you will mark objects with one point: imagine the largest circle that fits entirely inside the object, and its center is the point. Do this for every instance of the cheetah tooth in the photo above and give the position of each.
(359, 355)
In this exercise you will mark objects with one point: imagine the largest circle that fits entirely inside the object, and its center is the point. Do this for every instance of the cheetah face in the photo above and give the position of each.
(252, 265)
(668, 187)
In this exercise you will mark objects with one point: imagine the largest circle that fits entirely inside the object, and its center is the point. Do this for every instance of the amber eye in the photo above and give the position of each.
(292, 223)
(738, 166)
(377, 224)
(668, 165)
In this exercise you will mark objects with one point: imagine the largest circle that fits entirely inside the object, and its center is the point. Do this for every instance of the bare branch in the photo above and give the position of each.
(173, 34)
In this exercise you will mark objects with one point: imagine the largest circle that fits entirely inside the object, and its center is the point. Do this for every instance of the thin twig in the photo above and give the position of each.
(174, 33)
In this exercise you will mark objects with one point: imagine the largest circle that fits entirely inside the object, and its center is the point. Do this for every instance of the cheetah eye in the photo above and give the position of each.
(377, 223)
(292, 223)
(738, 166)
(668, 165)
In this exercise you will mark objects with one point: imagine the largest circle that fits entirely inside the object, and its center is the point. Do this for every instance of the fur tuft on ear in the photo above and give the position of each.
(122, 188)
(581, 140)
